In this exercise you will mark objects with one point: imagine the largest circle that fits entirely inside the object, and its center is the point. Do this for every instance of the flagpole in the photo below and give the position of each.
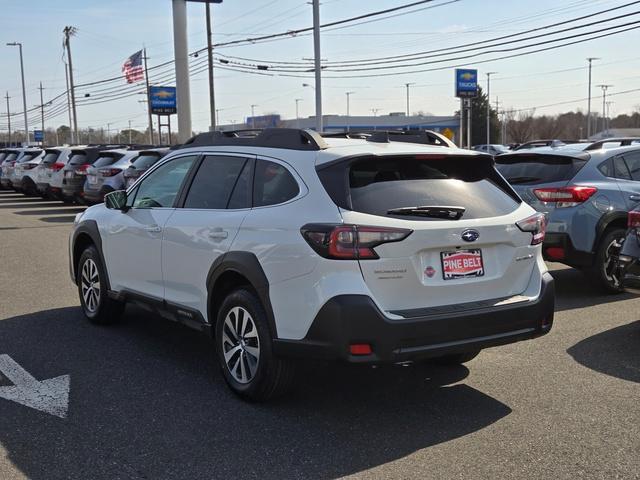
(146, 79)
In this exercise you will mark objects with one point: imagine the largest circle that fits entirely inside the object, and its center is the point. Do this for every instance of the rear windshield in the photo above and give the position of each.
(50, 158)
(534, 169)
(145, 161)
(10, 157)
(30, 156)
(409, 187)
(78, 159)
(106, 160)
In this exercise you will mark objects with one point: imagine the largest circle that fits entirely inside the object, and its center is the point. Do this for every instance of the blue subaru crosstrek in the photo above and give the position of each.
(586, 194)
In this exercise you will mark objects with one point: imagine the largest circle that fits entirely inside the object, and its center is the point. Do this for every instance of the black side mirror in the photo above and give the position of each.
(116, 200)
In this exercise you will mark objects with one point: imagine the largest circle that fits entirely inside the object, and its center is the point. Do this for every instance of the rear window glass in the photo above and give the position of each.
(2, 156)
(145, 161)
(535, 169)
(411, 188)
(50, 157)
(10, 157)
(78, 159)
(106, 160)
(30, 156)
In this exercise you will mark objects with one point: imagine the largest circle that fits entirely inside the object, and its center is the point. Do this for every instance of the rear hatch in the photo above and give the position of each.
(141, 164)
(102, 168)
(530, 172)
(46, 167)
(464, 241)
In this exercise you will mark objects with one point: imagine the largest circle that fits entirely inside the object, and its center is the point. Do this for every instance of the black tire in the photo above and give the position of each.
(271, 376)
(94, 299)
(456, 358)
(29, 188)
(604, 272)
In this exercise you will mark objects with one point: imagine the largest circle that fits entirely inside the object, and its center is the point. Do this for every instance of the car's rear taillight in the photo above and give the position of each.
(350, 242)
(56, 167)
(633, 219)
(109, 172)
(82, 169)
(565, 196)
(536, 225)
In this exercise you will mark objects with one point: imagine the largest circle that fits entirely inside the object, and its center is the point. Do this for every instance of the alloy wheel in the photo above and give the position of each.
(610, 265)
(240, 345)
(90, 283)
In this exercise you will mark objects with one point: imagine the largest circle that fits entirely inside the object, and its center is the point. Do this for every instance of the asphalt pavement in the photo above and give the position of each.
(147, 401)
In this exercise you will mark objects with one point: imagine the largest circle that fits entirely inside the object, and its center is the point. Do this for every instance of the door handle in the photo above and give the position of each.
(218, 233)
(635, 198)
(153, 228)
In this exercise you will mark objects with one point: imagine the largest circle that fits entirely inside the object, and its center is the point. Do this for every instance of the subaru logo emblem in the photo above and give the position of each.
(470, 235)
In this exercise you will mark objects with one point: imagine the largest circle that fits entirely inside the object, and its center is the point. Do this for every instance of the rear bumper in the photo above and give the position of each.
(555, 243)
(96, 196)
(355, 319)
(72, 187)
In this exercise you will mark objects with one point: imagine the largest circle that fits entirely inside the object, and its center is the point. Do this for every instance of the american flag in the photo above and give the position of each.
(132, 68)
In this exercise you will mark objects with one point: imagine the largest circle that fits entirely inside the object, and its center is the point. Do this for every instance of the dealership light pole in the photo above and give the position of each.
(253, 116)
(590, 60)
(24, 92)
(8, 117)
(298, 100)
(348, 94)
(604, 88)
(489, 106)
(408, 85)
(318, 68)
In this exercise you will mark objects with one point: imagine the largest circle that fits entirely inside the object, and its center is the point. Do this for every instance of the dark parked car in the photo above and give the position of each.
(629, 259)
(75, 171)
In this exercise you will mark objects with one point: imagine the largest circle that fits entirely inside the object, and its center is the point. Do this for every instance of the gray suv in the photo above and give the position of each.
(586, 196)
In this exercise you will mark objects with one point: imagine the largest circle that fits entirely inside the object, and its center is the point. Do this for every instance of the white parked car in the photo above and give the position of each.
(287, 245)
(23, 176)
(48, 173)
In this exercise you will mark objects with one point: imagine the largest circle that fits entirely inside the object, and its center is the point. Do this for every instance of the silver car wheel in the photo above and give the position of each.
(90, 285)
(610, 265)
(240, 345)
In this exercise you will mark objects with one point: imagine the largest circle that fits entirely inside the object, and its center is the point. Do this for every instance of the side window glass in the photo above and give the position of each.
(161, 187)
(273, 184)
(632, 160)
(606, 168)
(620, 168)
(241, 196)
(214, 182)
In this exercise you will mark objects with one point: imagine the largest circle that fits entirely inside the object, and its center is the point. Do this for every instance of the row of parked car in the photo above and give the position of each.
(83, 174)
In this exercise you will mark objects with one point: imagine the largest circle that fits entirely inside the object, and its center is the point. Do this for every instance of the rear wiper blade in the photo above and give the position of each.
(435, 211)
(516, 180)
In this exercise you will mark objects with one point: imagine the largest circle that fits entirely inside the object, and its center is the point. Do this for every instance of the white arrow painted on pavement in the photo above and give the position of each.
(50, 396)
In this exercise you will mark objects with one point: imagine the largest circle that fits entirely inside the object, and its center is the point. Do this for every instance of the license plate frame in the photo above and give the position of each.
(462, 271)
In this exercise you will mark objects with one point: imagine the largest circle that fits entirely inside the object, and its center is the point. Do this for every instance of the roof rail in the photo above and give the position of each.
(623, 141)
(289, 138)
(424, 137)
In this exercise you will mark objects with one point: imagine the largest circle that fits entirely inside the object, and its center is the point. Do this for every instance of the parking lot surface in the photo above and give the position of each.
(146, 399)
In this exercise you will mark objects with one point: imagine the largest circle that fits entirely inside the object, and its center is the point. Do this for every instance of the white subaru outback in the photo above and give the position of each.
(286, 245)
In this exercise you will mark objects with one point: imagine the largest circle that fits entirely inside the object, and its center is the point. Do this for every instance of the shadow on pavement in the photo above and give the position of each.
(36, 203)
(574, 289)
(59, 219)
(147, 401)
(53, 211)
(614, 352)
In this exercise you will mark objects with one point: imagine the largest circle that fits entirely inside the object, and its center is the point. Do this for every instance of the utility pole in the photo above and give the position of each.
(217, 124)
(8, 117)
(181, 54)
(408, 85)
(489, 106)
(69, 32)
(212, 97)
(253, 116)
(318, 68)
(41, 113)
(66, 75)
(348, 94)
(108, 132)
(298, 100)
(24, 92)
(590, 60)
(604, 88)
(130, 133)
(609, 103)
(146, 79)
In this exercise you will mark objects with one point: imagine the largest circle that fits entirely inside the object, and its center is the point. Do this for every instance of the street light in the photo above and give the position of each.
(604, 88)
(489, 106)
(253, 116)
(307, 85)
(24, 92)
(408, 85)
(348, 94)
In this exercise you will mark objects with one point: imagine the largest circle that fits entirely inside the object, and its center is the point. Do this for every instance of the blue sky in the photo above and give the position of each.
(109, 31)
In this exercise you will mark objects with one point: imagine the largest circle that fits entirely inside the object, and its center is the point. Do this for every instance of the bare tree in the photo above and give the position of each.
(519, 125)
